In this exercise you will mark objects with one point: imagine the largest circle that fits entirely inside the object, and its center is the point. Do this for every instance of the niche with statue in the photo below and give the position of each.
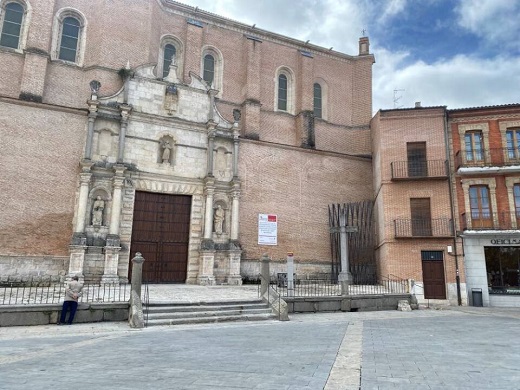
(98, 212)
(166, 152)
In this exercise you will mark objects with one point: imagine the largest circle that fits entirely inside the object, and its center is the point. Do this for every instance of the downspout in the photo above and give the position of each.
(452, 206)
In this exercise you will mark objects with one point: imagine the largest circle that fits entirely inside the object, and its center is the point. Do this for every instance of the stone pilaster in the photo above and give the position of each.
(234, 277)
(207, 261)
(235, 217)
(111, 263)
(92, 114)
(81, 213)
(208, 217)
(211, 147)
(77, 259)
(125, 115)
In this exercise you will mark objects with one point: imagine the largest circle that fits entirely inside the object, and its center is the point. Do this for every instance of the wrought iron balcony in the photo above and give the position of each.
(483, 220)
(419, 170)
(420, 228)
(497, 157)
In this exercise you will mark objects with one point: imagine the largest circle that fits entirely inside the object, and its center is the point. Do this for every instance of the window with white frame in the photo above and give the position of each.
(170, 53)
(284, 90)
(513, 144)
(212, 67)
(168, 58)
(69, 36)
(12, 23)
(318, 101)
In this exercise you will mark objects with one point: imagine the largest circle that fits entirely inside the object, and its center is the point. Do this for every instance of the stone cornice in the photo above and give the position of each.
(264, 35)
(481, 118)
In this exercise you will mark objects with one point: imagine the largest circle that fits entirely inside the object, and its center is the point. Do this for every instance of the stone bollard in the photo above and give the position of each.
(137, 273)
(264, 271)
(136, 317)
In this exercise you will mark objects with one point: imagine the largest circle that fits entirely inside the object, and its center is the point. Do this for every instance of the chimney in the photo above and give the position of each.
(418, 105)
(364, 45)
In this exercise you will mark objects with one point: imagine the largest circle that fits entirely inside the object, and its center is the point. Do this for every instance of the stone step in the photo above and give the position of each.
(169, 308)
(176, 313)
(202, 320)
(214, 313)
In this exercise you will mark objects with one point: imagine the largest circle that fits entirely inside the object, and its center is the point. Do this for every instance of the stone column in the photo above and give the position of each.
(344, 277)
(211, 146)
(112, 247)
(116, 199)
(236, 140)
(235, 213)
(82, 201)
(125, 114)
(208, 218)
(92, 108)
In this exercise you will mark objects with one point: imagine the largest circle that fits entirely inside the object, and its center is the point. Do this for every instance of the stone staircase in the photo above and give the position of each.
(177, 313)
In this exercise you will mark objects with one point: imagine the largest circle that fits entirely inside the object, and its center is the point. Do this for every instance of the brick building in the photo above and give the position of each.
(412, 192)
(485, 145)
(168, 130)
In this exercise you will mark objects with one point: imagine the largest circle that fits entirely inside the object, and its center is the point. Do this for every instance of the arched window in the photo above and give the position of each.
(209, 69)
(282, 92)
(169, 57)
(12, 25)
(318, 101)
(69, 31)
(70, 34)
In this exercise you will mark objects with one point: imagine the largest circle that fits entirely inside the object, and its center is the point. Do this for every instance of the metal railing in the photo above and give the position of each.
(32, 292)
(497, 157)
(436, 227)
(326, 287)
(504, 220)
(417, 170)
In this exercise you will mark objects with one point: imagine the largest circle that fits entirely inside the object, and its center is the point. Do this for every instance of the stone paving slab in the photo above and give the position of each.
(453, 348)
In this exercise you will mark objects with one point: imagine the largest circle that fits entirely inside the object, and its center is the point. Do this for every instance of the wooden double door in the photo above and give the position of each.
(160, 232)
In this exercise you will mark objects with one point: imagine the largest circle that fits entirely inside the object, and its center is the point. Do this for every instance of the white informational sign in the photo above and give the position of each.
(267, 229)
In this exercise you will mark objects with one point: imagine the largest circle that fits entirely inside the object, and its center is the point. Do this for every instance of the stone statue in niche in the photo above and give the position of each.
(166, 148)
(218, 219)
(97, 211)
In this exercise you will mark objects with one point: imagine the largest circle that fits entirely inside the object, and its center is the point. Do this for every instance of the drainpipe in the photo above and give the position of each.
(452, 207)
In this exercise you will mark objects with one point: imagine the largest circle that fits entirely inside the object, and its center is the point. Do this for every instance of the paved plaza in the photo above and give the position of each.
(466, 348)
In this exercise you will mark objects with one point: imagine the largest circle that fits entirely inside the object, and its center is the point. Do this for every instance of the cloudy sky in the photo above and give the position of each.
(458, 53)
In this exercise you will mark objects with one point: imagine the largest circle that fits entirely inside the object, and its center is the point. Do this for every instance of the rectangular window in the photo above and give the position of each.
(480, 207)
(474, 146)
(421, 217)
(513, 144)
(416, 152)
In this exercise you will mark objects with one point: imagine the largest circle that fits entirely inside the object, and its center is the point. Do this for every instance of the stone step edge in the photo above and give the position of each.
(188, 309)
(205, 303)
(202, 320)
(195, 314)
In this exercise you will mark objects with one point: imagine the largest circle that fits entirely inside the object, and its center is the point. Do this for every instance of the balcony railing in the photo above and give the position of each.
(407, 228)
(497, 157)
(490, 221)
(419, 170)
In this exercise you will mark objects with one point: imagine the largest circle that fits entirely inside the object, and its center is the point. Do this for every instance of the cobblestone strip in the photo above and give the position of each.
(346, 371)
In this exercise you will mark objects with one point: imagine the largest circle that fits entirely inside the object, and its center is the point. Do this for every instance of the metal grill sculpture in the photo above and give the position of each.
(358, 217)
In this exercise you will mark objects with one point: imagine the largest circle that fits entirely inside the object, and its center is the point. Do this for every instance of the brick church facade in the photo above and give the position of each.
(169, 130)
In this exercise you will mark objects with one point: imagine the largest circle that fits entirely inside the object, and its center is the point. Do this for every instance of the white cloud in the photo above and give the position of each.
(495, 21)
(457, 83)
(392, 8)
